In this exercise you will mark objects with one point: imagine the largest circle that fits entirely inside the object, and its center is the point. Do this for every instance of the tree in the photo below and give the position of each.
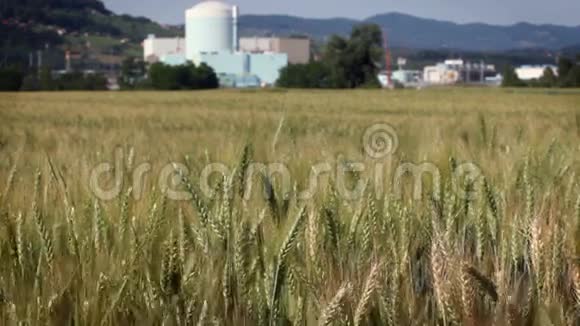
(45, 79)
(335, 55)
(10, 79)
(365, 55)
(355, 62)
(132, 72)
(310, 75)
(548, 79)
(188, 76)
(573, 77)
(204, 77)
(510, 78)
(564, 67)
(163, 77)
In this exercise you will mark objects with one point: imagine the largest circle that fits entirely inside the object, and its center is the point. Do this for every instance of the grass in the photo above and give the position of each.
(509, 255)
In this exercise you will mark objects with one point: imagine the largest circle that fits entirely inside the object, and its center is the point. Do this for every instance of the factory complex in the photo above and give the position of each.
(211, 37)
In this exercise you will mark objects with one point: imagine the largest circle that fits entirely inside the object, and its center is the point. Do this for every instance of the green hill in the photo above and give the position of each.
(98, 38)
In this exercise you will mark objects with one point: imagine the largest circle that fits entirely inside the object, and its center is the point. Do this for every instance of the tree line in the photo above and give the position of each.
(352, 62)
(14, 79)
(568, 76)
(135, 75)
(159, 76)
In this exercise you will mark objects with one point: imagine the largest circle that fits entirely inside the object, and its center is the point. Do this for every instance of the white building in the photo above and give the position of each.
(441, 74)
(534, 72)
(156, 48)
(211, 33)
(455, 71)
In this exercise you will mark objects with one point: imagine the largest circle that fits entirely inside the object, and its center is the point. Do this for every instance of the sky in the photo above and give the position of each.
(502, 12)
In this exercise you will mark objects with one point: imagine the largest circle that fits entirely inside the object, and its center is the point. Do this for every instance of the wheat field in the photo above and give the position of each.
(499, 248)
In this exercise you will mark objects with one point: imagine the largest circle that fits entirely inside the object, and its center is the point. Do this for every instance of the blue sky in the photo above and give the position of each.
(562, 12)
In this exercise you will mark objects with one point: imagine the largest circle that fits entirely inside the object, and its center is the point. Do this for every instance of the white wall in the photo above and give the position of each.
(160, 47)
(440, 74)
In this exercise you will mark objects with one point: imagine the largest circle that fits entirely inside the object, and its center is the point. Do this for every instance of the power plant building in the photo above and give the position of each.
(457, 71)
(297, 49)
(155, 48)
(211, 37)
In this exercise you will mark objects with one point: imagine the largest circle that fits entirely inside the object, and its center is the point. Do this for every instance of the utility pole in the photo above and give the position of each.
(67, 61)
(388, 63)
(39, 61)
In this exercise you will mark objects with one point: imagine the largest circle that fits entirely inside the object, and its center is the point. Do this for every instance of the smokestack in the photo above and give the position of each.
(235, 14)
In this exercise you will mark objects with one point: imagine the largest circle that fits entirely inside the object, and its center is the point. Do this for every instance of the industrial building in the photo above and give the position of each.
(156, 48)
(534, 72)
(440, 74)
(211, 37)
(297, 49)
(400, 77)
(456, 71)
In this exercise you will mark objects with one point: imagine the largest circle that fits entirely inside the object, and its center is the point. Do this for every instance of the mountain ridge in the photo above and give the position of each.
(422, 33)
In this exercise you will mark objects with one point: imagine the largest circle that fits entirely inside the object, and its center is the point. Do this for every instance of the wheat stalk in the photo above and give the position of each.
(334, 308)
(371, 286)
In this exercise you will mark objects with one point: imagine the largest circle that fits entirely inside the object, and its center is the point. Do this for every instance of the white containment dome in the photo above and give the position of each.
(209, 28)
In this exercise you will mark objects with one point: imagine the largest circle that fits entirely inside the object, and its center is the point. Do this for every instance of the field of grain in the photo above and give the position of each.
(109, 217)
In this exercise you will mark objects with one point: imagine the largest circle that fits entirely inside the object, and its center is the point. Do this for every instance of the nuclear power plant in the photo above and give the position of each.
(211, 37)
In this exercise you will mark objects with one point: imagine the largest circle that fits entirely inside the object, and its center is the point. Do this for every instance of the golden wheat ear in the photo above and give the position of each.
(485, 283)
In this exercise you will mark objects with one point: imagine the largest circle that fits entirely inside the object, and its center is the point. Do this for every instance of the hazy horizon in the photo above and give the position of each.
(560, 12)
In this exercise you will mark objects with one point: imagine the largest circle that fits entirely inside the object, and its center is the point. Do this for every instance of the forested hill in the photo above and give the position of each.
(84, 16)
(86, 27)
(35, 8)
(422, 33)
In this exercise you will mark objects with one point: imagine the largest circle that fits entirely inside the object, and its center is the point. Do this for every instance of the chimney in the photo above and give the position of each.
(235, 14)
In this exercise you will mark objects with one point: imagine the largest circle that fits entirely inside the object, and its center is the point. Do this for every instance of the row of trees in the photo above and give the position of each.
(188, 76)
(134, 75)
(568, 75)
(346, 63)
(14, 79)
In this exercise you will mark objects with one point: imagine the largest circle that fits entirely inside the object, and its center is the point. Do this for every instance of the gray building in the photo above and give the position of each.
(297, 49)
